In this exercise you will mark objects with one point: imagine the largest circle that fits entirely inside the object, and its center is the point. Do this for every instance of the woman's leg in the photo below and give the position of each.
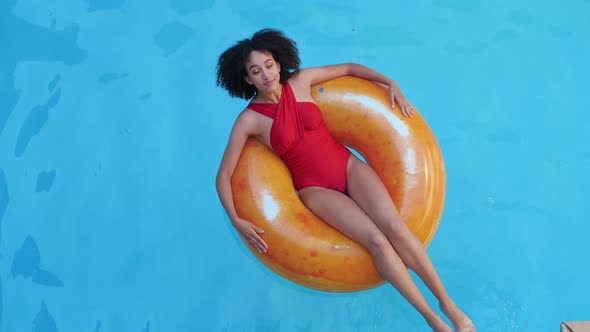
(368, 191)
(342, 213)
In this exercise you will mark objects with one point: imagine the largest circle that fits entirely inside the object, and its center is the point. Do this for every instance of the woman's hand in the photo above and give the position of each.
(396, 95)
(250, 232)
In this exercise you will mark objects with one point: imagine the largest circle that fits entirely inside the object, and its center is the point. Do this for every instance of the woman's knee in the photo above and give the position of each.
(395, 228)
(376, 242)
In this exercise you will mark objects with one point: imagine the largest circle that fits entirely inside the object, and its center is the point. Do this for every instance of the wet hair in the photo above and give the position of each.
(231, 66)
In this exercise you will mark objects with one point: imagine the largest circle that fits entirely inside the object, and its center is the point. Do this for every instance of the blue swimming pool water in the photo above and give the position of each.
(112, 128)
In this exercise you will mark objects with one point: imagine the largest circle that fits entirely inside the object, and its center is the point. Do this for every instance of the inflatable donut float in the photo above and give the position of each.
(404, 153)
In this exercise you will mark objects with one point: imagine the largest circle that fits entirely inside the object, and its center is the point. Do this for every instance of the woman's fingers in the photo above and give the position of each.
(257, 229)
(409, 109)
(256, 246)
(256, 241)
(406, 107)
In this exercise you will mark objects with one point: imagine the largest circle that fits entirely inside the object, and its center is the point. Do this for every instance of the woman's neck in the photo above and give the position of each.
(269, 97)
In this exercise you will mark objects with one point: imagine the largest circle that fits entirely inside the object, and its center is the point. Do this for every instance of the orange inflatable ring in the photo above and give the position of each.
(404, 153)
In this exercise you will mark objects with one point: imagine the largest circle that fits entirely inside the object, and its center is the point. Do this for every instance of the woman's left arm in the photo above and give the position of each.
(316, 75)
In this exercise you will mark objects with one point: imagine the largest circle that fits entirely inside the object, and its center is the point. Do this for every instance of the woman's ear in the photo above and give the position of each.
(248, 80)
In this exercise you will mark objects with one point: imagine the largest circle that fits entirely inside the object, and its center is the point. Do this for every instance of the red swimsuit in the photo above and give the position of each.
(302, 140)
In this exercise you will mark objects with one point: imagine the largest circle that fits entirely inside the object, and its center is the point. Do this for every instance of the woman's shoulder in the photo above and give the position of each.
(252, 114)
(247, 121)
(299, 79)
(246, 113)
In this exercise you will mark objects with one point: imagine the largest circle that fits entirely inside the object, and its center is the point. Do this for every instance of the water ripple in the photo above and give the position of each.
(183, 7)
(44, 321)
(488, 306)
(51, 86)
(4, 199)
(108, 78)
(27, 263)
(526, 20)
(98, 5)
(147, 327)
(370, 37)
(518, 207)
(22, 44)
(459, 5)
(499, 135)
(1, 303)
(45, 181)
(34, 122)
(172, 36)
(473, 48)
(145, 96)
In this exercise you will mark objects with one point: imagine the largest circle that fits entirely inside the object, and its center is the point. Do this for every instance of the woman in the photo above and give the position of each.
(347, 194)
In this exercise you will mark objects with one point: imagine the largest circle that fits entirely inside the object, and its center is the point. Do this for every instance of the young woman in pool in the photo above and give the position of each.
(333, 183)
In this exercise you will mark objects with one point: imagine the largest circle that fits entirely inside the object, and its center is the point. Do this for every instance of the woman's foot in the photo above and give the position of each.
(460, 321)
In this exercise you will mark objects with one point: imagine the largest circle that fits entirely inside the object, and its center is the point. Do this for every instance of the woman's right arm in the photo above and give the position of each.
(244, 127)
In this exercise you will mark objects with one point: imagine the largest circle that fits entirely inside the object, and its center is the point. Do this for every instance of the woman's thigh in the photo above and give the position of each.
(343, 214)
(367, 190)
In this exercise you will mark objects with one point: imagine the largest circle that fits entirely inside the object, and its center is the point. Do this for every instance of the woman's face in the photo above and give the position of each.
(262, 71)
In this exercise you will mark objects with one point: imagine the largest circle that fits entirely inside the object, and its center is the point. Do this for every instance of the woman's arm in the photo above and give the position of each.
(244, 127)
(316, 75)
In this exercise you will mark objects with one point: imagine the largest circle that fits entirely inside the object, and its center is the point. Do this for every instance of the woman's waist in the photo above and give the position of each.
(313, 151)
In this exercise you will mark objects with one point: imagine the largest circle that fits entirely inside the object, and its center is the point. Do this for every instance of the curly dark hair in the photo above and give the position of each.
(231, 67)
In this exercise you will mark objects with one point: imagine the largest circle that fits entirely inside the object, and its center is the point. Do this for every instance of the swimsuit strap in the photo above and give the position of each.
(269, 110)
(287, 123)
(288, 120)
